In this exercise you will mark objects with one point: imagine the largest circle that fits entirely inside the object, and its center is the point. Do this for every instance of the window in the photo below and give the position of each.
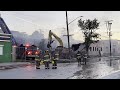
(101, 48)
(93, 48)
(90, 48)
(1, 49)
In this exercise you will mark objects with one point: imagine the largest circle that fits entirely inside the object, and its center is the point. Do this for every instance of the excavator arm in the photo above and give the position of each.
(50, 41)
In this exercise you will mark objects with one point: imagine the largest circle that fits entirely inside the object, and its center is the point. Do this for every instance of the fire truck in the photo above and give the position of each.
(28, 52)
(31, 51)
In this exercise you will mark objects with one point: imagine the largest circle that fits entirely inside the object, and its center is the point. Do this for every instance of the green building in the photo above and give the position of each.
(5, 48)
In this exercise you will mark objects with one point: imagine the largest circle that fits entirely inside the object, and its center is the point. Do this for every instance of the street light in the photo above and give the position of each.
(71, 22)
(74, 20)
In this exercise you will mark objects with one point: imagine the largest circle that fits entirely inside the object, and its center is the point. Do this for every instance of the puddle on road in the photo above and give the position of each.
(97, 69)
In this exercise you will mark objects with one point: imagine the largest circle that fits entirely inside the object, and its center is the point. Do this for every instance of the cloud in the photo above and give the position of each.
(29, 21)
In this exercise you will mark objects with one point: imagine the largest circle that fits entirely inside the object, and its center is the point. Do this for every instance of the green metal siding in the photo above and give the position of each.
(7, 50)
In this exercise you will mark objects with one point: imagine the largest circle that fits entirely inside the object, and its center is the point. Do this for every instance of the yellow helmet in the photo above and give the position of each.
(46, 51)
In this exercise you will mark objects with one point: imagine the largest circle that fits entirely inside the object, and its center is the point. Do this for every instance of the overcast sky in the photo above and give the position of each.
(29, 21)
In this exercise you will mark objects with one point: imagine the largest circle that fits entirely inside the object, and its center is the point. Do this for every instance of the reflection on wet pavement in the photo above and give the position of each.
(97, 68)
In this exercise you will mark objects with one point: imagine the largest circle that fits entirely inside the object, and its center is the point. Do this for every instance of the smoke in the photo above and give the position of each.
(23, 38)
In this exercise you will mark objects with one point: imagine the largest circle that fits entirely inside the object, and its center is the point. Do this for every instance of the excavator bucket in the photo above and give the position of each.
(48, 45)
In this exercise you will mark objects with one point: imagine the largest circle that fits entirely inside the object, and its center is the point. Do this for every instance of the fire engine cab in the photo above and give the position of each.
(31, 51)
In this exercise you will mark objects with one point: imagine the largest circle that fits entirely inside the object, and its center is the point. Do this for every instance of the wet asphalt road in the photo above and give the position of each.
(29, 72)
(96, 68)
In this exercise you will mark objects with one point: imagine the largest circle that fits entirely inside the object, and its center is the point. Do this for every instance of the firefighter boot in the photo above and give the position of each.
(55, 64)
(37, 67)
(53, 67)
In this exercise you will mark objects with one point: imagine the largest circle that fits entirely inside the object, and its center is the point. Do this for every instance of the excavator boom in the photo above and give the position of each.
(50, 41)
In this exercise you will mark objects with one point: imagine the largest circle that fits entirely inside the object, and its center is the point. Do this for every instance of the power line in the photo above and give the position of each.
(28, 21)
(105, 36)
(102, 24)
(24, 20)
(22, 14)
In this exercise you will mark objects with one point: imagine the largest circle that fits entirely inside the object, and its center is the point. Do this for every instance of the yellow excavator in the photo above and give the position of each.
(50, 41)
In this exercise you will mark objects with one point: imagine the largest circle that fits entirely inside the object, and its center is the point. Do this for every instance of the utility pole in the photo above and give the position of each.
(109, 33)
(68, 34)
(110, 36)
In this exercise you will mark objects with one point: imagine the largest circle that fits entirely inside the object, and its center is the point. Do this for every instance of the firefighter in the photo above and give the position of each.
(78, 57)
(37, 59)
(54, 61)
(85, 58)
(47, 59)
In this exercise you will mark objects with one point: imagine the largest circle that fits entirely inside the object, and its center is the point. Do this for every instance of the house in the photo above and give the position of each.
(5, 48)
(103, 48)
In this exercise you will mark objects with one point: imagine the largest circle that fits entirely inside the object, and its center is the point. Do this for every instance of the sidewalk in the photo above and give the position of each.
(11, 65)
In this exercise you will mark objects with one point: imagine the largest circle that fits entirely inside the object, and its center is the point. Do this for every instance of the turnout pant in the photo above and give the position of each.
(79, 60)
(37, 64)
(54, 64)
(46, 64)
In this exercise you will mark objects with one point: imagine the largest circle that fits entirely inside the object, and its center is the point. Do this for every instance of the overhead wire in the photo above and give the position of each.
(54, 28)
(28, 21)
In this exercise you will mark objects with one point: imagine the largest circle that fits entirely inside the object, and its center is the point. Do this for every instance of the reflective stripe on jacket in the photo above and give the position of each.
(47, 58)
(37, 59)
(56, 56)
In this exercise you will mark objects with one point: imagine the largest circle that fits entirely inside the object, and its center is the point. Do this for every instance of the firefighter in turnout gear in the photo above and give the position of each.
(47, 59)
(37, 59)
(54, 61)
(79, 57)
(85, 58)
